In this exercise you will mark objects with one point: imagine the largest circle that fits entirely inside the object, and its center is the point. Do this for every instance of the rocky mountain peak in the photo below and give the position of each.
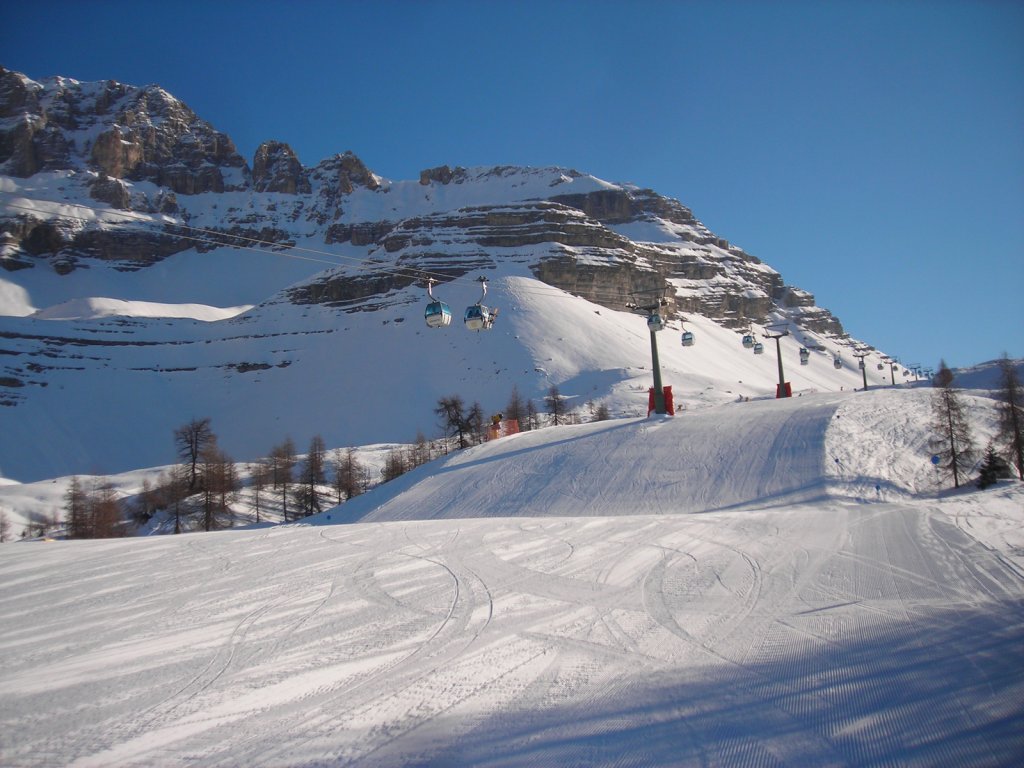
(345, 172)
(276, 168)
(121, 131)
(18, 94)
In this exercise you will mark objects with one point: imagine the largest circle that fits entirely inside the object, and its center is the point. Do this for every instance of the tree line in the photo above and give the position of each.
(463, 426)
(199, 492)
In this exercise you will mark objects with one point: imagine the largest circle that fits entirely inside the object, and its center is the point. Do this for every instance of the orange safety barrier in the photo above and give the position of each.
(502, 429)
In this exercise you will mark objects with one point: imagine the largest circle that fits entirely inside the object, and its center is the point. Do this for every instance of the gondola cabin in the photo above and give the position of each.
(437, 314)
(748, 340)
(837, 363)
(805, 356)
(759, 348)
(654, 322)
(479, 318)
(687, 338)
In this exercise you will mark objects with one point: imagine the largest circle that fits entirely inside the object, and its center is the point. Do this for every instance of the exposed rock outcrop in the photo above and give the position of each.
(112, 191)
(275, 168)
(507, 226)
(346, 172)
(442, 174)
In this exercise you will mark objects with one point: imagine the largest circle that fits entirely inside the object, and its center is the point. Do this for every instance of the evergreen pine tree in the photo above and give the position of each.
(76, 509)
(993, 467)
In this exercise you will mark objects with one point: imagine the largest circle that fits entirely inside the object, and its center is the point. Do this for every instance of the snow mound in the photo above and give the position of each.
(99, 307)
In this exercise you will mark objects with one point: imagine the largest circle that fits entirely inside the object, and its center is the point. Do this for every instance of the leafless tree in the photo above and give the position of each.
(190, 440)
(349, 475)
(531, 415)
(556, 406)
(452, 412)
(219, 483)
(176, 490)
(953, 442)
(5, 527)
(516, 408)
(311, 477)
(259, 474)
(601, 412)
(420, 452)
(105, 513)
(151, 498)
(476, 423)
(395, 465)
(282, 467)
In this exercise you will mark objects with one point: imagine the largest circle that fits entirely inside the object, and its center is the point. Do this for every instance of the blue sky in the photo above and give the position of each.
(872, 152)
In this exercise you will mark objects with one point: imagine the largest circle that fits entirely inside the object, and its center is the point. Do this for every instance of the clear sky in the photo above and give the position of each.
(872, 152)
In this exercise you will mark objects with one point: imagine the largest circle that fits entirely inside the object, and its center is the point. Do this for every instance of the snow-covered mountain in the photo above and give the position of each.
(152, 276)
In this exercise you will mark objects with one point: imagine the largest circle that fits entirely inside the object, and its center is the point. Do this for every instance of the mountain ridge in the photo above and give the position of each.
(116, 140)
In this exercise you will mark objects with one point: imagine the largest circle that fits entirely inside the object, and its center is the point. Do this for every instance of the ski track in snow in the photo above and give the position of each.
(832, 634)
(733, 602)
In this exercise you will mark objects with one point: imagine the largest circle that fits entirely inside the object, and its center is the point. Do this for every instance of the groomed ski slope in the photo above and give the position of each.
(712, 459)
(760, 453)
(758, 584)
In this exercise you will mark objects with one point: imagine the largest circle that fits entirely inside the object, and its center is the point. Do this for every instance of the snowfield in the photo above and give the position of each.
(757, 583)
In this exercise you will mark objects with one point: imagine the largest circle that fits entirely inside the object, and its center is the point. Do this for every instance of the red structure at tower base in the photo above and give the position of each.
(669, 405)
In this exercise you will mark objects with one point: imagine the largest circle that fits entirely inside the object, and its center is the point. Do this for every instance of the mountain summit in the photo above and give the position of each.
(152, 275)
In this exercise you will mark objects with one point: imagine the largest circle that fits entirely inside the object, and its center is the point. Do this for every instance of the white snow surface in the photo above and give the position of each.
(83, 309)
(757, 583)
(365, 377)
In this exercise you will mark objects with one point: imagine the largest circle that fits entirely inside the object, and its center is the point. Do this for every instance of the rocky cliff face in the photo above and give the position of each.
(275, 168)
(120, 131)
(155, 174)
